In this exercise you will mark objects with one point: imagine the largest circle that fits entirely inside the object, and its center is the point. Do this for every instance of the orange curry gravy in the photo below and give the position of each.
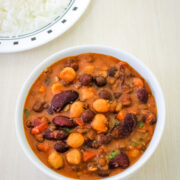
(89, 116)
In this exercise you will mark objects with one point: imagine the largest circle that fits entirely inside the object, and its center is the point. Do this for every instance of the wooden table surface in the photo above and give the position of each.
(149, 29)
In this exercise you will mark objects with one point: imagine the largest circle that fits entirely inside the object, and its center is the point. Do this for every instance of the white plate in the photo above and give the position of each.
(47, 33)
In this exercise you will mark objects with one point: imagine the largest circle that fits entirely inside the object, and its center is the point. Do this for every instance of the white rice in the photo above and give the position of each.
(24, 16)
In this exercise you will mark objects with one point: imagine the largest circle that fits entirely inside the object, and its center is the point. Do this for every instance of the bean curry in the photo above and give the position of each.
(89, 116)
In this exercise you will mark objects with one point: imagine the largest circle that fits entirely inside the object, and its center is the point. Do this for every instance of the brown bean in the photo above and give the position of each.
(120, 160)
(112, 71)
(130, 121)
(105, 94)
(100, 81)
(85, 79)
(142, 95)
(38, 106)
(61, 147)
(117, 95)
(103, 173)
(71, 63)
(60, 134)
(87, 116)
(103, 139)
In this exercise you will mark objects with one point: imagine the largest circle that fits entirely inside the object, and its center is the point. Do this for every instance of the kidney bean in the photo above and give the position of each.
(85, 79)
(124, 129)
(60, 100)
(87, 116)
(103, 173)
(48, 134)
(61, 147)
(104, 94)
(60, 134)
(130, 122)
(50, 110)
(35, 122)
(120, 160)
(112, 71)
(100, 81)
(71, 63)
(142, 95)
(63, 121)
(120, 131)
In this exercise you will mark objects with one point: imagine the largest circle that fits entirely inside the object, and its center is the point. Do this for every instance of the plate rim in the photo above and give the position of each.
(48, 32)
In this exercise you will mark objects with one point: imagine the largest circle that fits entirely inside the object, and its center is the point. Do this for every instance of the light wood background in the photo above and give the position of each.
(149, 29)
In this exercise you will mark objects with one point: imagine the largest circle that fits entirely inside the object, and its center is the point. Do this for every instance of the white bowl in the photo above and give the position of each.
(47, 33)
(135, 63)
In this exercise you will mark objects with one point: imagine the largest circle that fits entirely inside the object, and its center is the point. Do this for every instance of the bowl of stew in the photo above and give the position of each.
(90, 112)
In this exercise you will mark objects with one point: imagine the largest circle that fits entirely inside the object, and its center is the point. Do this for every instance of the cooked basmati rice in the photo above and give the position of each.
(24, 16)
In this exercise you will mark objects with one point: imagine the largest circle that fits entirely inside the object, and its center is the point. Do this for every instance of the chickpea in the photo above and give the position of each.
(68, 74)
(57, 88)
(75, 140)
(138, 82)
(73, 156)
(89, 69)
(101, 105)
(100, 123)
(76, 109)
(134, 153)
(87, 93)
(55, 160)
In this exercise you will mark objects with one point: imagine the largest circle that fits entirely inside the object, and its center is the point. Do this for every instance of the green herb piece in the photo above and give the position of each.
(66, 129)
(110, 101)
(26, 113)
(115, 122)
(140, 139)
(141, 124)
(112, 155)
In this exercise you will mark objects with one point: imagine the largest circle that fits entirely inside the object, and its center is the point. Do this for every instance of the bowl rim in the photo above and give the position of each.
(102, 50)
(48, 32)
